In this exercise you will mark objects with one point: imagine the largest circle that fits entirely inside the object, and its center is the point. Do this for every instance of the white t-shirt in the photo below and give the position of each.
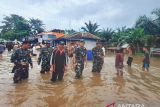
(104, 51)
(34, 50)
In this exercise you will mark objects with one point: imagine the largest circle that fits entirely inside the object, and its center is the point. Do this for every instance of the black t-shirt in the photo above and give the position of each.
(59, 59)
(146, 57)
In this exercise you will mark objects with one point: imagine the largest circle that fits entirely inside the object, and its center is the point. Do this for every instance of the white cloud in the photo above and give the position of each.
(73, 13)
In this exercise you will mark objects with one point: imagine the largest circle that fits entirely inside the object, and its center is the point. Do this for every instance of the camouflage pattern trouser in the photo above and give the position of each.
(20, 72)
(45, 66)
(79, 69)
(97, 65)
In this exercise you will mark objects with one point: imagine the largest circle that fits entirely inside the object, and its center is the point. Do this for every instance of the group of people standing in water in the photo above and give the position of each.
(130, 50)
(56, 59)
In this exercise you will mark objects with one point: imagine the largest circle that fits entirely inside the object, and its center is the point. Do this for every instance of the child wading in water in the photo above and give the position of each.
(119, 61)
(146, 59)
(130, 56)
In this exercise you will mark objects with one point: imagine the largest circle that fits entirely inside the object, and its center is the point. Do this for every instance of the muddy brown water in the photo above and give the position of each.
(93, 90)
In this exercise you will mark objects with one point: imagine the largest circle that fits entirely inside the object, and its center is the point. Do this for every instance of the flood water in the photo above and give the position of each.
(93, 90)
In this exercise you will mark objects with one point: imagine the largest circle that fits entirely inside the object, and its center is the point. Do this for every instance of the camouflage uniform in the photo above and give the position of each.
(21, 58)
(98, 59)
(45, 57)
(80, 55)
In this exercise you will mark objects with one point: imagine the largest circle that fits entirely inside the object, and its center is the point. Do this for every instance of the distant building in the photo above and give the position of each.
(90, 39)
(48, 36)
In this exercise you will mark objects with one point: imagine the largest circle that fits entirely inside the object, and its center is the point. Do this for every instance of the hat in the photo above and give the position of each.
(61, 43)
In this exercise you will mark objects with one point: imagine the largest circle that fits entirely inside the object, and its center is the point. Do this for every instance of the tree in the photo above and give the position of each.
(150, 28)
(91, 28)
(58, 31)
(136, 37)
(36, 25)
(120, 35)
(14, 27)
(156, 12)
(69, 32)
(107, 34)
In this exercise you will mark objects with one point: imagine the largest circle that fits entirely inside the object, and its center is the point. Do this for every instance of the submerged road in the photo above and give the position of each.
(93, 90)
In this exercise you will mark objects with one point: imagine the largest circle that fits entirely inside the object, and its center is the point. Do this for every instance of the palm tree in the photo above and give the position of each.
(107, 34)
(70, 31)
(122, 29)
(120, 35)
(91, 28)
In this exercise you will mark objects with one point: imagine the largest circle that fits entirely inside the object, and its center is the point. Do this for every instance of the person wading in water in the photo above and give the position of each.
(130, 56)
(119, 61)
(58, 63)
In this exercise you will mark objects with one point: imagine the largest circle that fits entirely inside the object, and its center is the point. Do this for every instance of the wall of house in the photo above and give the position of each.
(89, 44)
(48, 37)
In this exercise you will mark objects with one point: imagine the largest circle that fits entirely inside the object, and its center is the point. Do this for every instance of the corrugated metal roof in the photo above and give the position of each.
(80, 35)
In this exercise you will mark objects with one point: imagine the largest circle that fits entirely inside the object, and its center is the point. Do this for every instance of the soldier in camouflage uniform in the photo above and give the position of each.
(21, 59)
(98, 58)
(80, 59)
(45, 57)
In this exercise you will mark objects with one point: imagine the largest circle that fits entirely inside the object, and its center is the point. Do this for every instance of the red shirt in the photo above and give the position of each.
(119, 60)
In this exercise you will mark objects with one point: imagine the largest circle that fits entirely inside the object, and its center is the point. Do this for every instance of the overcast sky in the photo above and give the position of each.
(67, 14)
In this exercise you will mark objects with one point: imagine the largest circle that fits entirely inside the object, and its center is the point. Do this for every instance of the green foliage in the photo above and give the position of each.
(149, 26)
(36, 26)
(17, 27)
(106, 34)
(156, 12)
(131, 36)
(152, 40)
(69, 32)
(145, 32)
(120, 35)
(91, 27)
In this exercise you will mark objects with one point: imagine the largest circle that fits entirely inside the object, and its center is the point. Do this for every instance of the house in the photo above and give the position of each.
(47, 36)
(44, 36)
(90, 39)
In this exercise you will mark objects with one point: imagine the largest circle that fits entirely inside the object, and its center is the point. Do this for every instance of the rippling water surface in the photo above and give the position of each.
(93, 90)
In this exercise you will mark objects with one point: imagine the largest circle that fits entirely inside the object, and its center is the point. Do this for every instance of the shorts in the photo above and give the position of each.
(146, 65)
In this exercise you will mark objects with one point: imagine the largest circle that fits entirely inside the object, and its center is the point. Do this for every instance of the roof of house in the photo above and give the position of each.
(58, 35)
(80, 35)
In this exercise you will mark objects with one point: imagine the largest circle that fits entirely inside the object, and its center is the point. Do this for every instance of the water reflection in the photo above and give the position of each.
(93, 90)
